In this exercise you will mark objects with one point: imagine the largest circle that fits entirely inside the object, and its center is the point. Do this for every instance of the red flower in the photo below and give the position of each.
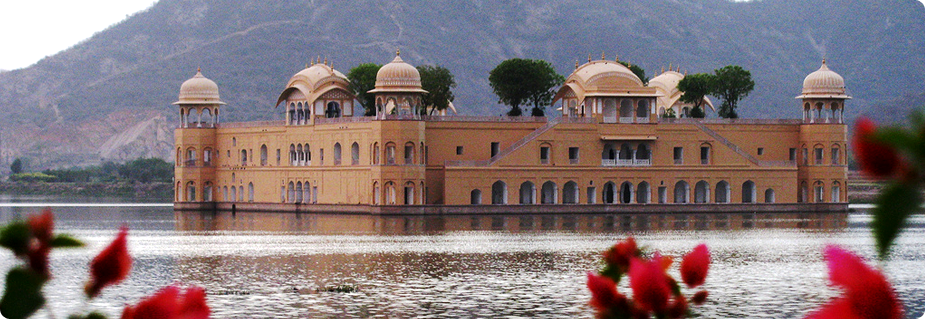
(111, 266)
(42, 225)
(695, 265)
(678, 308)
(650, 284)
(603, 292)
(168, 303)
(867, 292)
(621, 253)
(875, 158)
(699, 297)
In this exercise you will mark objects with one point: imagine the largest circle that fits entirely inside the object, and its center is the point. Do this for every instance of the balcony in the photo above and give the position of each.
(626, 162)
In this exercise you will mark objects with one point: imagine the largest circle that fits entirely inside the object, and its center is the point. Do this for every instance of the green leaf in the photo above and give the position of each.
(65, 241)
(894, 205)
(23, 295)
(612, 272)
(15, 237)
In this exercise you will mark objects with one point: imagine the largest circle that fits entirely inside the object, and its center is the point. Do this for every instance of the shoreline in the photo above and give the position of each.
(139, 191)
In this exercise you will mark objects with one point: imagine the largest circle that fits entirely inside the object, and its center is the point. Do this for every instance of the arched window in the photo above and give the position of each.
(702, 192)
(376, 153)
(225, 193)
(282, 194)
(722, 192)
(409, 193)
(293, 156)
(292, 116)
(179, 190)
(475, 197)
(682, 192)
(642, 151)
(499, 193)
(610, 111)
(207, 192)
(250, 192)
(191, 191)
(610, 193)
(332, 110)
(390, 195)
(818, 153)
(769, 195)
(263, 155)
(337, 152)
(390, 153)
(626, 193)
(409, 153)
(207, 157)
(243, 157)
(527, 193)
(836, 192)
(355, 154)
(570, 193)
(836, 155)
(291, 193)
(300, 114)
(191, 156)
(307, 155)
(609, 152)
(642, 109)
(234, 194)
(748, 192)
(299, 195)
(178, 159)
(233, 179)
(240, 193)
(626, 151)
(643, 193)
(550, 193)
(819, 192)
(626, 111)
(377, 193)
(705, 153)
(206, 116)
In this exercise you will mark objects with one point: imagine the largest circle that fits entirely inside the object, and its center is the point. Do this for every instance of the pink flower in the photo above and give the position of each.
(650, 284)
(875, 158)
(621, 253)
(695, 265)
(168, 303)
(111, 266)
(867, 294)
(700, 297)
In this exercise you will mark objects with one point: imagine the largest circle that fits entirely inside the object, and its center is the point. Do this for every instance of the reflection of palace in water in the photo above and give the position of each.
(411, 225)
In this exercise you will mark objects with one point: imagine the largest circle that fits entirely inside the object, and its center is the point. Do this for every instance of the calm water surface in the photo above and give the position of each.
(264, 265)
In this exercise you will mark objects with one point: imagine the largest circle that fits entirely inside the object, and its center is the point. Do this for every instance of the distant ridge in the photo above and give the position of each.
(65, 107)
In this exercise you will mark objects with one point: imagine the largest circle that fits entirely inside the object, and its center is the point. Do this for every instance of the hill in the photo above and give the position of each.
(109, 96)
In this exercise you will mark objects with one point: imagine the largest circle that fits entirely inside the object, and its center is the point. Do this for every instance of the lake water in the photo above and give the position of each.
(266, 265)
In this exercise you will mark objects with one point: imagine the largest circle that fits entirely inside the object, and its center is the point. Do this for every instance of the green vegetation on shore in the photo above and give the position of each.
(150, 178)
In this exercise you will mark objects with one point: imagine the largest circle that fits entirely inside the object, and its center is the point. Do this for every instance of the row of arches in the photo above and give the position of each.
(188, 192)
(625, 193)
(820, 157)
(299, 192)
(189, 157)
(819, 192)
(821, 112)
(198, 117)
(629, 111)
(299, 113)
(388, 193)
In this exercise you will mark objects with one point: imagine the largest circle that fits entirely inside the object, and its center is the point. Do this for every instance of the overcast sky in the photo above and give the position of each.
(33, 29)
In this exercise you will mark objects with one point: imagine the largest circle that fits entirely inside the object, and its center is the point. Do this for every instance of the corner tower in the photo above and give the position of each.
(398, 89)
(199, 105)
(823, 96)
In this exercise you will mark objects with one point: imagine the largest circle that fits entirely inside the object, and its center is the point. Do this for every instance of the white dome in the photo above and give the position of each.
(199, 90)
(398, 76)
(824, 83)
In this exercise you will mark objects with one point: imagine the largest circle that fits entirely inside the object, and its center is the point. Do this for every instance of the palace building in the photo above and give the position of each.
(610, 149)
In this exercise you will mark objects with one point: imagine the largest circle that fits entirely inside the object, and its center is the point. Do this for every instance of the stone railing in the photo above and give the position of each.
(338, 120)
(626, 162)
(250, 124)
(729, 121)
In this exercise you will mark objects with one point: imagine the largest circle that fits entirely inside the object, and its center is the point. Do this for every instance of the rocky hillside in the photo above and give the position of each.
(109, 96)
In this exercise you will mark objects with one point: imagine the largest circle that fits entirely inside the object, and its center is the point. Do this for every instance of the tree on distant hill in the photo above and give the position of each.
(439, 84)
(16, 167)
(362, 79)
(695, 88)
(525, 81)
(731, 84)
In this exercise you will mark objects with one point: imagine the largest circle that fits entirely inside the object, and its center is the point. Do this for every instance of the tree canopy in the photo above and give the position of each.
(362, 79)
(695, 88)
(16, 167)
(525, 81)
(731, 84)
(439, 84)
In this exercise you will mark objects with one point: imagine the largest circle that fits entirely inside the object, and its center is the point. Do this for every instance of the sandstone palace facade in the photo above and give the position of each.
(609, 149)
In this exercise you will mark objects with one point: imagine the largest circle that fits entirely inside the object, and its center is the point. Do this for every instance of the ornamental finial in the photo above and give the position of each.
(398, 52)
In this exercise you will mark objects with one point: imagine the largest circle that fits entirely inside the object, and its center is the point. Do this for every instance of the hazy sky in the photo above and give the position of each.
(33, 29)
